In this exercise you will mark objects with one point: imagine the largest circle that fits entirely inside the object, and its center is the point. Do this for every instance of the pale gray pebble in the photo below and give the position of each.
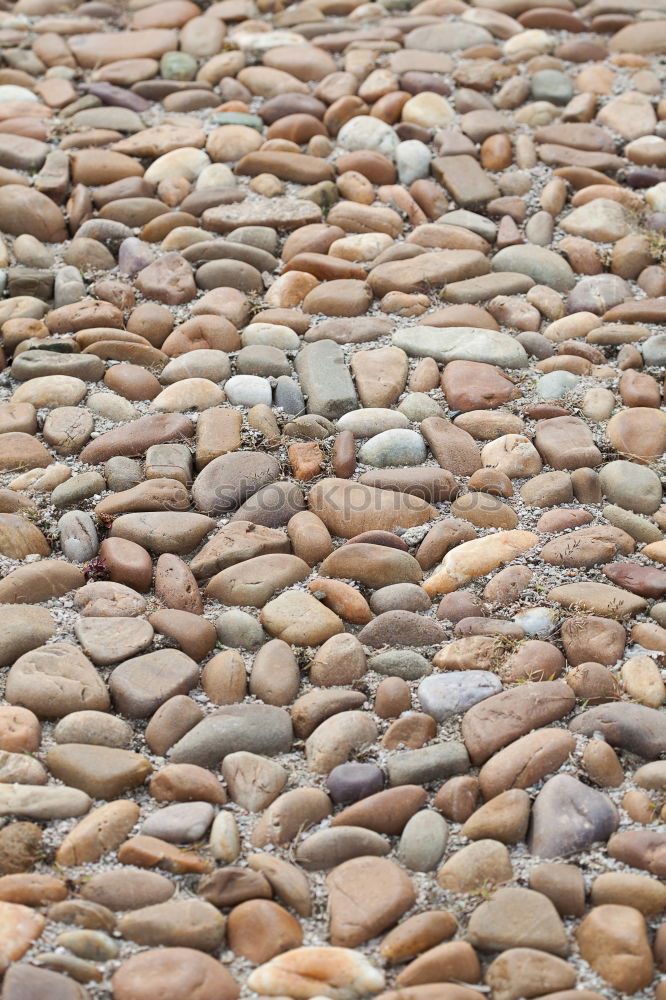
(423, 841)
(78, 488)
(122, 473)
(434, 763)
(554, 385)
(397, 447)
(412, 159)
(288, 396)
(405, 663)
(181, 823)
(454, 691)
(239, 630)
(68, 287)
(418, 405)
(78, 536)
(248, 390)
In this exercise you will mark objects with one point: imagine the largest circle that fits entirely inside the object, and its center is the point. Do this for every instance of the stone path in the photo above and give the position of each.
(332, 552)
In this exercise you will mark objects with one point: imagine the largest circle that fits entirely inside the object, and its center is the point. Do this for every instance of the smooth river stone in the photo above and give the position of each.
(477, 557)
(568, 816)
(453, 692)
(461, 343)
(347, 508)
(256, 728)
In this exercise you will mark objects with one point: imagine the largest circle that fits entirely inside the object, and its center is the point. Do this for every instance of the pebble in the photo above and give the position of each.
(383, 327)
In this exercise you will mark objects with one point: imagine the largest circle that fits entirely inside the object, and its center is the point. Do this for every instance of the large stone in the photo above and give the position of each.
(461, 343)
(545, 266)
(230, 480)
(55, 680)
(613, 940)
(636, 728)
(348, 508)
(366, 896)
(568, 816)
(326, 380)
(477, 557)
(174, 973)
(503, 718)
(256, 728)
(517, 918)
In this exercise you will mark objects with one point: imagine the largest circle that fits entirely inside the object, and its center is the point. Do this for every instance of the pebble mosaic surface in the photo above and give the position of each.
(332, 544)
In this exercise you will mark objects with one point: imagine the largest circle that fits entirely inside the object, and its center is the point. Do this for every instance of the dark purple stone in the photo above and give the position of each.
(416, 83)
(351, 782)
(118, 97)
(645, 177)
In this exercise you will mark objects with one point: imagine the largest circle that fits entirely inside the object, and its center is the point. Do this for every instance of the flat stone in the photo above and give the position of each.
(177, 970)
(452, 693)
(332, 395)
(55, 680)
(260, 729)
(598, 598)
(103, 772)
(497, 721)
(542, 265)
(446, 344)
(534, 923)
(636, 728)
(366, 895)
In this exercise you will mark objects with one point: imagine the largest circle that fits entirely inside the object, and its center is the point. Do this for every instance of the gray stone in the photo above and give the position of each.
(325, 379)
(353, 781)
(631, 486)
(461, 343)
(418, 405)
(181, 823)
(78, 488)
(418, 767)
(393, 448)
(447, 37)
(78, 536)
(122, 473)
(568, 816)
(551, 85)
(423, 841)
(405, 663)
(248, 390)
(371, 420)
(554, 385)
(454, 691)
(544, 266)
(239, 630)
(259, 729)
(638, 527)
(654, 350)
(636, 728)
(288, 395)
